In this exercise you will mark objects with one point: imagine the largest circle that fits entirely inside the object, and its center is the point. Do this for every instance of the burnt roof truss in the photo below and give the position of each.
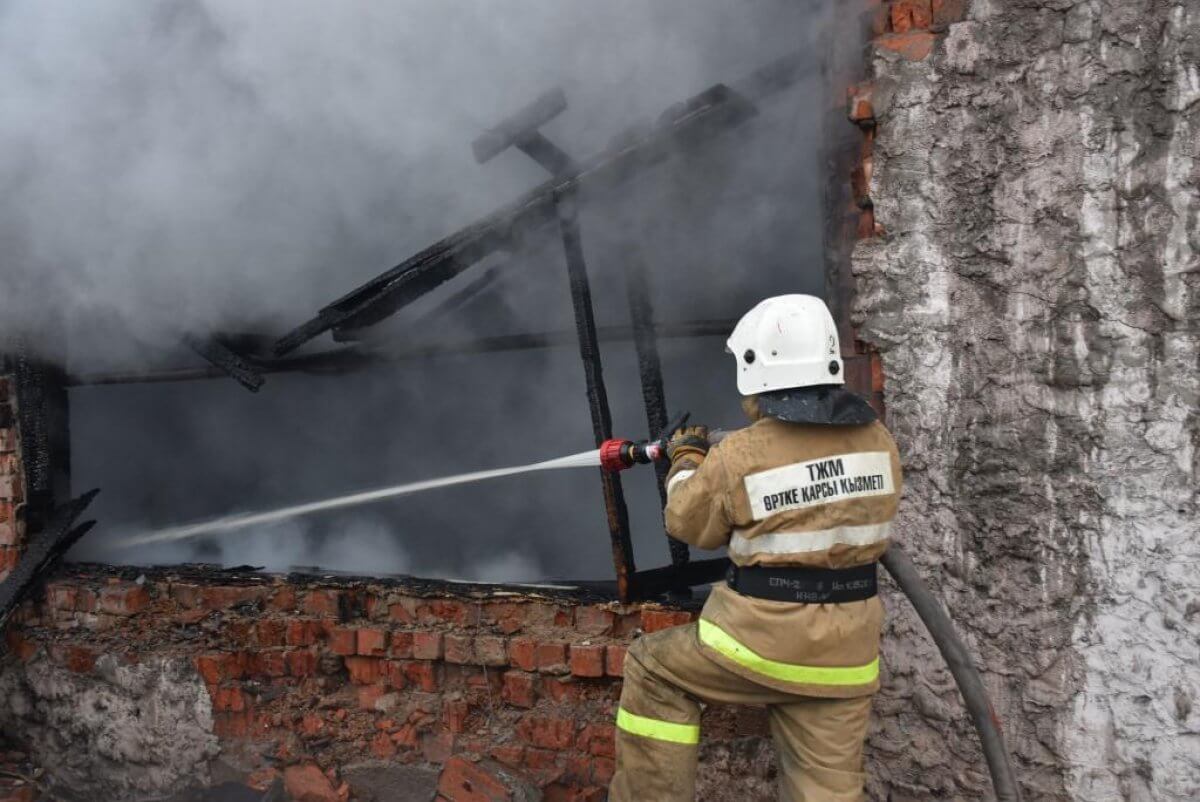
(555, 203)
(550, 207)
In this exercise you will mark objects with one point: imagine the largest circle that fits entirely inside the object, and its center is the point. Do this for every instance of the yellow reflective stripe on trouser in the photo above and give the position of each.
(659, 730)
(712, 635)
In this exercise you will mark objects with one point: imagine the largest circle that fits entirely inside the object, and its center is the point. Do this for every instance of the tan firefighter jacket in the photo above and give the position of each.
(792, 494)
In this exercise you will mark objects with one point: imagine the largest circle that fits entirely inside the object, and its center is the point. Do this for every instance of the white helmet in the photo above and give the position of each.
(786, 341)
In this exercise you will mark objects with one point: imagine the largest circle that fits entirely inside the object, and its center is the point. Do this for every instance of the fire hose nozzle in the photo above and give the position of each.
(612, 455)
(618, 454)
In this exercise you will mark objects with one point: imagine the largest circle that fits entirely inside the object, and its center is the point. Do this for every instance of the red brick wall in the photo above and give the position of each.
(12, 482)
(908, 28)
(328, 673)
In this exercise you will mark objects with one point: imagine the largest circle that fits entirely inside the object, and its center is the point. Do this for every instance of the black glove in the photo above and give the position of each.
(690, 442)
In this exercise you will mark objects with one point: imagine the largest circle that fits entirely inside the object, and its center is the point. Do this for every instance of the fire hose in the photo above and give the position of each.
(616, 455)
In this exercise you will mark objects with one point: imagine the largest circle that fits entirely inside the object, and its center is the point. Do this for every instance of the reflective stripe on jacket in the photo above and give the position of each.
(792, 494)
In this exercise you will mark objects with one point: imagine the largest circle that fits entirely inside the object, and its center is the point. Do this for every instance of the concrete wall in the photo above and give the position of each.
(117, 730)
(1032, 288)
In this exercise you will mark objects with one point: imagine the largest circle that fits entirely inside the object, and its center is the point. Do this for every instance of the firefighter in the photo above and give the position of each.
(803, 498)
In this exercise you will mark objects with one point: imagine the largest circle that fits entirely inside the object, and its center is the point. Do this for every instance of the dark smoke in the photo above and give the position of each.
(182, 168)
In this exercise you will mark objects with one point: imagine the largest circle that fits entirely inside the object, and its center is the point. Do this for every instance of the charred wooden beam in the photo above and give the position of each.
(473, 290)
(227, 361)
(521, 131)
(43, 420)
(352, 358)
(617, 513)
(645, 341)
(699, 119)
(45, 548)
(518, 127)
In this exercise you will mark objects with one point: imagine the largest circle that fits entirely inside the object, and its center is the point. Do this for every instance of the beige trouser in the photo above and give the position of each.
(820, 741)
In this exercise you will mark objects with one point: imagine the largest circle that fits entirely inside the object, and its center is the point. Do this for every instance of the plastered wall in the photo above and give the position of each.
(1030, 280)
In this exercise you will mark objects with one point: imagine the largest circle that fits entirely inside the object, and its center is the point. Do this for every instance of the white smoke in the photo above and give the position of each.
(177, 166)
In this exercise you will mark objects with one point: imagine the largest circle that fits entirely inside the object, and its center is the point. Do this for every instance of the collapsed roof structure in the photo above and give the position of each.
(549, 207)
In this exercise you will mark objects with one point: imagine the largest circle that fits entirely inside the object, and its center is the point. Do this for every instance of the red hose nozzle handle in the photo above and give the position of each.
(615, 455)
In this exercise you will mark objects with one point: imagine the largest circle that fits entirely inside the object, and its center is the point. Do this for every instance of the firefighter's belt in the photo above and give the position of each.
(804, 585)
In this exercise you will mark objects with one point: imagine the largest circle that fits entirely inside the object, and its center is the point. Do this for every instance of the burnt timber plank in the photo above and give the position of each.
(43, 552)
(227, 361)
(701, 118)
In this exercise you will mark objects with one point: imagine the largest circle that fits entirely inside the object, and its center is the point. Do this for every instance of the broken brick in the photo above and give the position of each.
(220, 666)
(593, 620)
(551, 658)
(548, 733)
(126, 598)
(19, 645)
(509, 754)
(283, 600)
(396, 677)
(460, 649)
(229, 700)
(9, 535)
(910, 15)
(423, 674)
(80, 659)
(519, 689)
(224, 597)
(322, 603)
(270, 633)
(522, 653)
(490, 651)
(300, 663)
(427, 645)
(307, 783)
(266, 664)
(382, 746)
(598, 739)
(59, 595)
(365, 670)
(509, 617)
(343, 641)
(544, 765)
(859, 106)
(372, 642)
(302, 632)
(614, 659)
(454, 714)
(403, 611)
(443, 611)
(564, 690)
(656, 620)
(587, 660)
(402, 644)
(462, 780)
